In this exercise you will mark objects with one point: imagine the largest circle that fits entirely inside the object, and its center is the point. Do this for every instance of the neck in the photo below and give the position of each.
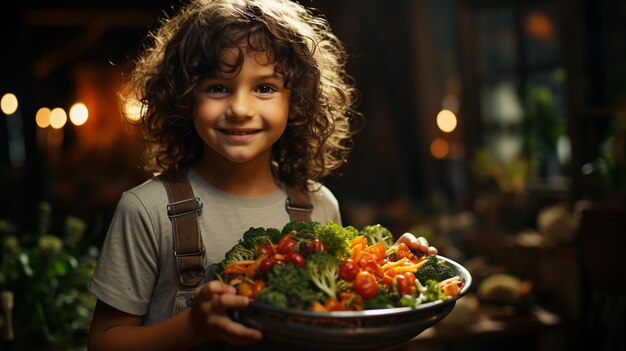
(251, 179)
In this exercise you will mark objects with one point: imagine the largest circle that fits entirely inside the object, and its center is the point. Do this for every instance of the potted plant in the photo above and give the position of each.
(47, 276)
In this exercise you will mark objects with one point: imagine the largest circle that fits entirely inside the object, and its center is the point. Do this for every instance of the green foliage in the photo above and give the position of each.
(48, 277)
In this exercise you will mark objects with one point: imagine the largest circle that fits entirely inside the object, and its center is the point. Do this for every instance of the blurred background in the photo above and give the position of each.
(496, 129)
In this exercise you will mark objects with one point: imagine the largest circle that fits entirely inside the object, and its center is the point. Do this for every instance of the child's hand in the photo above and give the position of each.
(419, 244)
(209, 316)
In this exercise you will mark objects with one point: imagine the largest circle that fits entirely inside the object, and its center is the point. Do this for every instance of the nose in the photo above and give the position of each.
(240, 106)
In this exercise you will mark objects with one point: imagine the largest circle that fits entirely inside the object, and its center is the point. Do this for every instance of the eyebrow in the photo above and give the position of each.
(274, 75)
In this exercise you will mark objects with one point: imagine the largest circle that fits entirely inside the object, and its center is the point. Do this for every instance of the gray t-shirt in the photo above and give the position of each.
(136, 271)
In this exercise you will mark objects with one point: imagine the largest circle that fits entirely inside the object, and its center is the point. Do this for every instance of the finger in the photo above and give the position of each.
(423, 244)
(213, 288)
(432, 251)
(408, 239)
(223, 302)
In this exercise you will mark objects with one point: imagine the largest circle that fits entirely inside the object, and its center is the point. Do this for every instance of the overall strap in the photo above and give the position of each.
(183, 210)
(298, 205)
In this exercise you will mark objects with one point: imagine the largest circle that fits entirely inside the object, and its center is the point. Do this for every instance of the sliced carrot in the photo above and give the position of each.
(316, 306)
(397, 263)
(409, 268)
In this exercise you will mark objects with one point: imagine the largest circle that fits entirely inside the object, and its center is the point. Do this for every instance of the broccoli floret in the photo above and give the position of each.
(272, 297)
(336, 238)
(235, 254)
(382, 300)
(255, 237)
(323, 270)
(300, 227)
(293, 282)
(377, 234)
(434, 269)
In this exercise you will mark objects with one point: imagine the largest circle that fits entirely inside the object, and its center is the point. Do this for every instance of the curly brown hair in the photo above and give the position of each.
(187, 47)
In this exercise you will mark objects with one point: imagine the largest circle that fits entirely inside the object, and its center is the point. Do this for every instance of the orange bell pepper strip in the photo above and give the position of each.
(372, 267)
(377, 250)
(356, 253)
(359, 240)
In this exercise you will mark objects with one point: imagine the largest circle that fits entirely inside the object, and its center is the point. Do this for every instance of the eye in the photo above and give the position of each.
(216, 89)
(265, 89)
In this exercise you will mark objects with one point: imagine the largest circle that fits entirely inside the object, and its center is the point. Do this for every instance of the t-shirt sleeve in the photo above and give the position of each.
(128, 265)
(325, 206)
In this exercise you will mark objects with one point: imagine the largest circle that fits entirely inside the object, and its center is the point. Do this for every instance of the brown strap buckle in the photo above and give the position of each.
(187, 254)
(184, 207)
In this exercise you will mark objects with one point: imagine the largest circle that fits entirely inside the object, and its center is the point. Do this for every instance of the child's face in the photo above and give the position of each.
(241, 115)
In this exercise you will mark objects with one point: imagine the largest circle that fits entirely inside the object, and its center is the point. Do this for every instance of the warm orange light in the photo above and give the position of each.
(439, 148)
(539, 26)
(79, 114)
(58, 118)
(42, 118)
(9, 104)
(446, 121)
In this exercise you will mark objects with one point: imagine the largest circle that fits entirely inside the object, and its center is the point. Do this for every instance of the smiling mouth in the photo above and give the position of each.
(239, 132)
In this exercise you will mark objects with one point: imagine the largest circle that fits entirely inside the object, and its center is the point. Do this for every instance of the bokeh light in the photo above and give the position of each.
(58, 118)
(42, 118)
(446, 121)
(9, 104)
(439, 148)
(79, 114)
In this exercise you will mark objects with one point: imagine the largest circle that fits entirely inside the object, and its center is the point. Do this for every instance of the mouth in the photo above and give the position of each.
(238, 132)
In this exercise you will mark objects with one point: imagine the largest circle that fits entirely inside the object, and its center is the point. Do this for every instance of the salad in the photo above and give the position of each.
(329, 267)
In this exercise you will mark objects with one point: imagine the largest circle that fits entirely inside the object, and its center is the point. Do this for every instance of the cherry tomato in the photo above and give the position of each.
(365, 285)
(295, 258)
(286, 244)
(348, 270)
(266, 250)
(387, 281)
(246, 289)
(403, 285)
(318, 245)
(308, 247)
(266, 264)
(258, 286)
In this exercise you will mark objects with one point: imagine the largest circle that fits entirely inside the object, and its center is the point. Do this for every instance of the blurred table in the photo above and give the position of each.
(487, 328)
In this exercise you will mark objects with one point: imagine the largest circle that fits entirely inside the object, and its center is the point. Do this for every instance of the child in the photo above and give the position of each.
(247, 100)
